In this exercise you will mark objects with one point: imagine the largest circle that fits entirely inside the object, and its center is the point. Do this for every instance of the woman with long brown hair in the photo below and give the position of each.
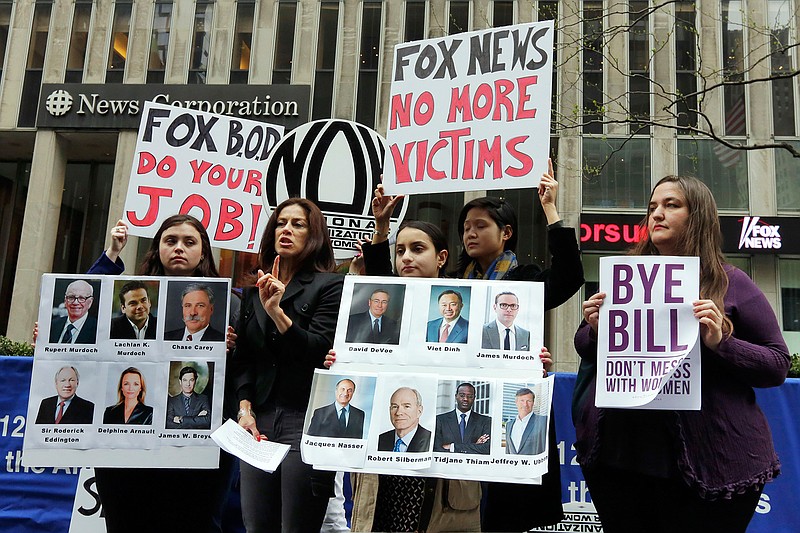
(708, 467)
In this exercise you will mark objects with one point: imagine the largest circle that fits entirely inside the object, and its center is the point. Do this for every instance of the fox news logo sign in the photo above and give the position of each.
(757, 234)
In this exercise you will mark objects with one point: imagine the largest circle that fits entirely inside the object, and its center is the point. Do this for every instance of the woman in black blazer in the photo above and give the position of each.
(286, 328)
(130, 407)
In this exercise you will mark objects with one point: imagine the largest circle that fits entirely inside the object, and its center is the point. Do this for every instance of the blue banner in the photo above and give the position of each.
(31, 499)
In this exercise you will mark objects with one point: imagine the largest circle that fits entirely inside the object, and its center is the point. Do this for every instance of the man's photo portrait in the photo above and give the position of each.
(340, 418)
(448, 322)
(74, 311)
(375, 314)
(407, 434)
(196, 311)
(134, 311)
(526, 423)
(189, 395)
(66, 407)
(502, 332)
(462, 429)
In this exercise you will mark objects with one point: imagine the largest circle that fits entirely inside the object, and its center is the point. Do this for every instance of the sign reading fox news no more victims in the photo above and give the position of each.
(470, 111)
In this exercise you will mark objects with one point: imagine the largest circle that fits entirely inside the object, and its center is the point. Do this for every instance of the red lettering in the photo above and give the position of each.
(490, 155)
(217, 175)
(459, 103)
(502, 89)
(147, 163)
(154, 194)
(422, 156)
(198, 169)
(524, 97)
(229, 213)
(468, 172)
(612, 233)
(455, 137)
(195, 200)
(401, 162)
(254, 226)
(586, 232)
(522, 157)
(253, 182)
(432, 172)
(421, 118)
(400, 110)
(484, 92)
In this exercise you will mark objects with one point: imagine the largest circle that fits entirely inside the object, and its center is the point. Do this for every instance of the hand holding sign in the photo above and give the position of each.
(591, 310)
(707, 312)
(382, 209)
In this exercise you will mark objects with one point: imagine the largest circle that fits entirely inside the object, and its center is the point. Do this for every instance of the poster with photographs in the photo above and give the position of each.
(128, 371)
(436, 378)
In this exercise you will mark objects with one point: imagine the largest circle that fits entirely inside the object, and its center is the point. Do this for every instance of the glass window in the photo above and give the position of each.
(458, 20)
(548, 10)
(77, 43)
(782, 63)
(326, 60)
(83, 216)
(686, 63)
(35, 63)
(616, 173)
(368, 61)
(593, 67)
(284, 43)
(242, 42)
(201, 45)
(790, 302)
(5, 24)
(724, 170)
(415, 20)
(639, 65)
(502, 13)
(787, 170)
(118, 49)
(159, 42)
(13, 194)
(733, 67)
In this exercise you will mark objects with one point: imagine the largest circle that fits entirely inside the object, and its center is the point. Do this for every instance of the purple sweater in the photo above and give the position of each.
(724, 448)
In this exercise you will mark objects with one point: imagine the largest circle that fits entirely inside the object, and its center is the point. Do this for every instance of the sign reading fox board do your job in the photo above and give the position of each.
(337, 164)
(470, 111)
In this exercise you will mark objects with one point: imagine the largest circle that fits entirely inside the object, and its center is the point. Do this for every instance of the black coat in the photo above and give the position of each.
(420, 443)
(210, 335)
(142, 415)
(325, 423)
(274, 369)
(359, 329)
(121, 328)
(87, 335)
(80, 411)
(447, 431)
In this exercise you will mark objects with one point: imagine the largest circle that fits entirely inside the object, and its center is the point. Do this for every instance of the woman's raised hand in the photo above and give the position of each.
(382, 208)
(270, 287)
(548, 193)
(119, 238)
(591, 309)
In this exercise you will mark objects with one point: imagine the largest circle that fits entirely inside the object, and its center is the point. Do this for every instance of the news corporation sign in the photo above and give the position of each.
(119, 106)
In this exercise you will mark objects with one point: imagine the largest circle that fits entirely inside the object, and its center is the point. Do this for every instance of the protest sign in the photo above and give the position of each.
(137, 383)
(209, 166)
(648, 348)
(337, 164)
(470, 111)
(413, 355)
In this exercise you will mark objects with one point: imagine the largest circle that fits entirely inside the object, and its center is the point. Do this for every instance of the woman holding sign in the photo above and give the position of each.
(286, 327)
(687, 470)
(180, 247)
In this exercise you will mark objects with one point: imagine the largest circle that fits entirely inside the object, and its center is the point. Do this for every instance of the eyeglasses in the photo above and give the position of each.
(380, 302)
(505, 306)
(79, 299)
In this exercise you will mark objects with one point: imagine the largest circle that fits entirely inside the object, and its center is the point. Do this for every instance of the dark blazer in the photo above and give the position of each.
(325, 423)
(447, 431)
(80, 411)
(115, 414)
(532, 438)
(210, 335)
(359, 329)
(121, 328)
(490, 339)
(192, 420)
(270, 368)
(420, 443)
(88, 334)
(457, 335)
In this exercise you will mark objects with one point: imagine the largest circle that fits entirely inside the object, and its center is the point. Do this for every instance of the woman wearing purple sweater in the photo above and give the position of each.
(687, 470)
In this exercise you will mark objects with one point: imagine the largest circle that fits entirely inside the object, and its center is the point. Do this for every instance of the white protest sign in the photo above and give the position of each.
(470, 111)
(209, 166)
(336, 164)
(648, 348)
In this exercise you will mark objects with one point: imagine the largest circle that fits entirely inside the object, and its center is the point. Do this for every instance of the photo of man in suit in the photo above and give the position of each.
(339, 419)
(66, 407)
(502, 333)
(197, 302)
(188, 410)
(405, 409)
(525, 433)
(462, 430)
(78, 327)
(451, 327)
(136, 321)
(373, 326)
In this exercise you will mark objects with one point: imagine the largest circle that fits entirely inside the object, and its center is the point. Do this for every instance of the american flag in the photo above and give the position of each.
(735, 124)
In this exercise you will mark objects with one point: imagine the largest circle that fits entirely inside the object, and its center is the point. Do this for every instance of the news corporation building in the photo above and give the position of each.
(74, 75)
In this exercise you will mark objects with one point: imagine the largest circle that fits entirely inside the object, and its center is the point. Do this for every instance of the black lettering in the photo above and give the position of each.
(428, 55)
(479, 53)
(235, 140)
(402, 61)
(447, 60)
(183, 120)
(152, 123)
(204, 134)
(496, 36)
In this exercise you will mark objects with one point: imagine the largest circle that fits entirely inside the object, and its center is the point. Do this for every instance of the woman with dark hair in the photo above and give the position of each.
(130, 407)
(488, 230)
(285, 330)
(710, 465)
(180, 247)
